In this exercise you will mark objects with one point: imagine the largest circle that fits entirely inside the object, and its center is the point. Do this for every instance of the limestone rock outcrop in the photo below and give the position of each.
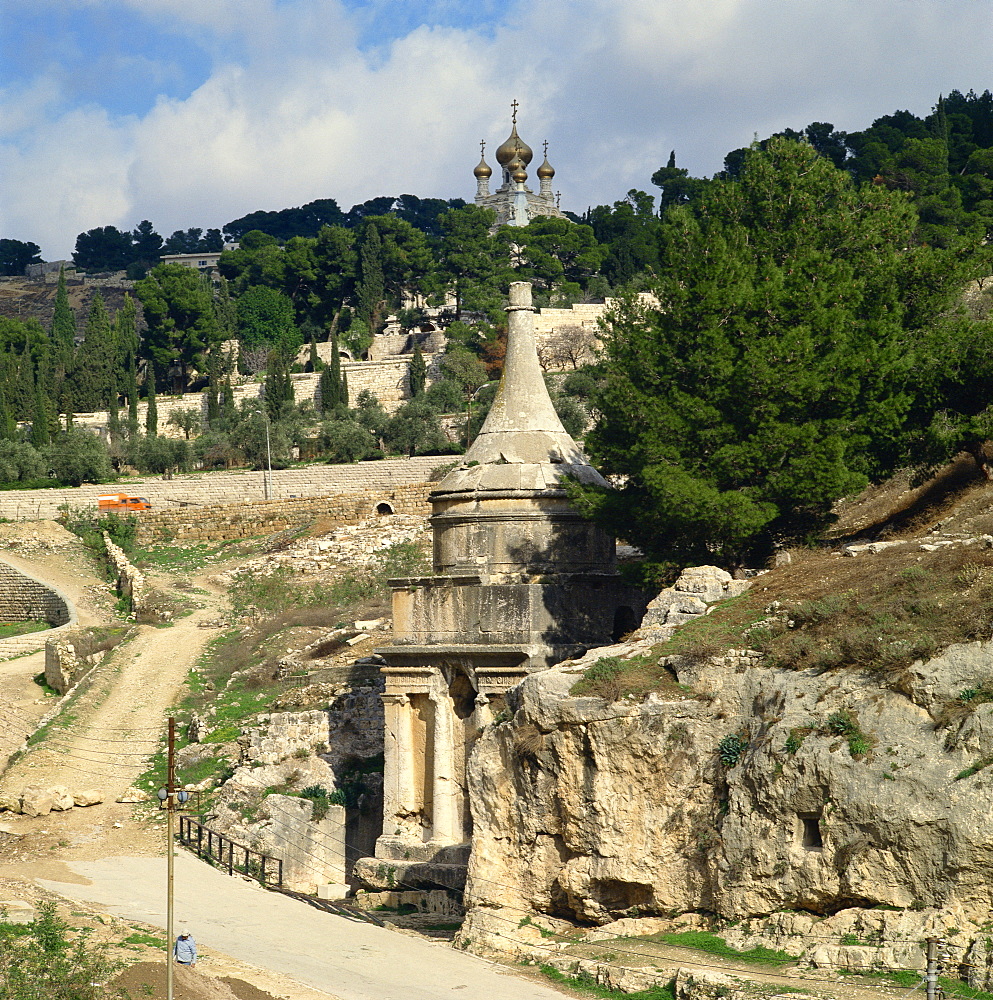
(741, 790)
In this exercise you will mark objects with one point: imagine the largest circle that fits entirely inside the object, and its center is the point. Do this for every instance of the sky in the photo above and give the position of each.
(196, 112)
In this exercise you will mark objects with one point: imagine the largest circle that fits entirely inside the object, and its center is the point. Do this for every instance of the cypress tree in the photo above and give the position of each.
(344, 389)
(372, 287)
(63, 328)
(8, 426)
(228, 410)
(95, 360)
(40, 418)
(213, 387)
(152, 414)
(418, 372)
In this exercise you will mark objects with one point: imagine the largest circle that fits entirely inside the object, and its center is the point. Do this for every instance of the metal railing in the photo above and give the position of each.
(216, 847)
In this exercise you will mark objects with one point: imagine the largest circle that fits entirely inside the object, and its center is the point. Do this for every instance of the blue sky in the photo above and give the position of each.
(194, 112)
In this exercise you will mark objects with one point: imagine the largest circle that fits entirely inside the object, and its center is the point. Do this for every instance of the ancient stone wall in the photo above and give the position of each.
(222, 522)
(130, 580)
(22, 598)
(205, 489)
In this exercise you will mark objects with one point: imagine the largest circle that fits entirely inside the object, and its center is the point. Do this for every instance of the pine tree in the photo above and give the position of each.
(152, 414)
(418, 372)
(785, 363)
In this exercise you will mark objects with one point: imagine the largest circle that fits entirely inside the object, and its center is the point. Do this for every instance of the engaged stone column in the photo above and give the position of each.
(446, 828)
(398, 763)
(483, 715)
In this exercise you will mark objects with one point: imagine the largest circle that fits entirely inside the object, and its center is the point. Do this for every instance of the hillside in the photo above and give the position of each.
(577, 840)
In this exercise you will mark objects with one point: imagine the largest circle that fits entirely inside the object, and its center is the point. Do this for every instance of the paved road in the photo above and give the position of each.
(348, 959)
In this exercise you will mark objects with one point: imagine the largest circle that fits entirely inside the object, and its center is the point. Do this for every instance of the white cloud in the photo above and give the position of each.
(293, 110)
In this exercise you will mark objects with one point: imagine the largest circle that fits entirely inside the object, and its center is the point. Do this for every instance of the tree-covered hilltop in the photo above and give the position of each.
(805, 339)
(810, 330)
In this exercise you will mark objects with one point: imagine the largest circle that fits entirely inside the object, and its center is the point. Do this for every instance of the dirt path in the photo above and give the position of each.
(105, 738)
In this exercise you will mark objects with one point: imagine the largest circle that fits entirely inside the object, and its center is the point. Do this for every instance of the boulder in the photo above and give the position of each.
(87, 797)
(9, 802)
(36, 801)
(62, 798)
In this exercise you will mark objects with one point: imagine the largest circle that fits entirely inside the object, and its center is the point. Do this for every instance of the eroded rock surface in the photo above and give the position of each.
(757, 790)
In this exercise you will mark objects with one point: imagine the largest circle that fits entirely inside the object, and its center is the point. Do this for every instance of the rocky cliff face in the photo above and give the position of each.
(746, 791)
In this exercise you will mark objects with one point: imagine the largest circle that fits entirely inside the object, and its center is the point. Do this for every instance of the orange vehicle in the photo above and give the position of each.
(107, 502)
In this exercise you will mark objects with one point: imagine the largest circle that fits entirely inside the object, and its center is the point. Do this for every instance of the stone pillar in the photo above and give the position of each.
(446, 828)
(483, 715)
(398, 763)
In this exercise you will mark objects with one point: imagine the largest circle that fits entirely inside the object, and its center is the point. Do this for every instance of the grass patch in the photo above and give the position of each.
(974, 768)
(714, 945)
(613, 677)
(10, 629)
(282, 589)
(585, 983)
(139, 937)
(174, 558)
(876, 612)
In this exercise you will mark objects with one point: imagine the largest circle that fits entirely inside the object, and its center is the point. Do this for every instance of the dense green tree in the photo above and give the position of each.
(779, 369)
(266, 319)
(41, 418)
(158, 455)
(76, 456)
(105, 248)
(343, 439)
(630, 233)
(549, 251)
(187, 420)
(47, 959)
(179, 312)
(414, 429)
(16, 255)
(20, 462)
(468, 256)
(283, 225)
(146, 244)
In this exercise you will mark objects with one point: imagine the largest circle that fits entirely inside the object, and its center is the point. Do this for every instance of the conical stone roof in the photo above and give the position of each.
(522, 445)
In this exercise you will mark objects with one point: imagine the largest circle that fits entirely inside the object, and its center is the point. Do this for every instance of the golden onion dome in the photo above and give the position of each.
(517, 171)
(546, 171)
(514, 145)
(483, 169)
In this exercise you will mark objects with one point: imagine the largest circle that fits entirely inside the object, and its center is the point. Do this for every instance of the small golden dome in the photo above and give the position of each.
(483, 169)
(517, 171)
(546, 171)
(514, 145)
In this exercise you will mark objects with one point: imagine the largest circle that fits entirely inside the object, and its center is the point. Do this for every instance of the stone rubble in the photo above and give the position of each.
(348, 547)
(696, 589)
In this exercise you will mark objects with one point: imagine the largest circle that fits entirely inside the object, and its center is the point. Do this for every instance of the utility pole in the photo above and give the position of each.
(170, 800)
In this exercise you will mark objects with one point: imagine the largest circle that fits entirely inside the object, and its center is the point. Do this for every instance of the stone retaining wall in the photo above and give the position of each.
(223, 522)
(22, 598)
(212, 488)
(130, 580)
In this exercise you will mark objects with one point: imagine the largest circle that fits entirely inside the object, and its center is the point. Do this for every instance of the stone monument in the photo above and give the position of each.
(521, 581)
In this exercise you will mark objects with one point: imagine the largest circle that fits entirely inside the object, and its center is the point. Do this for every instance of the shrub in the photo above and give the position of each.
(731, 748)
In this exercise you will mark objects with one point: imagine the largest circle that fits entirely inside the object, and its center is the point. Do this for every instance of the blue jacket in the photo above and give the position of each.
(185, 950)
